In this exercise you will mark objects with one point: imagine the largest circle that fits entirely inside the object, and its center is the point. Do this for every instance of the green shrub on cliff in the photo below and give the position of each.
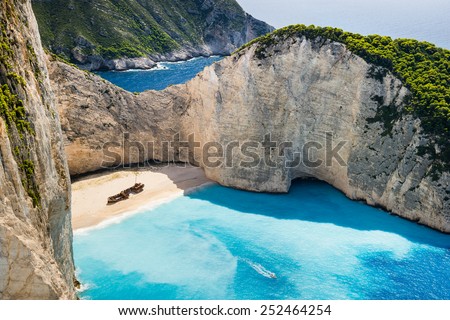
(13, 111)
(422, 67)
(133, 28)
(12, 96)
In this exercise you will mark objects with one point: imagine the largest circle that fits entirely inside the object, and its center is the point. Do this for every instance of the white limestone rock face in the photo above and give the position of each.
(94, 113)
(301, 92)
(35, 239)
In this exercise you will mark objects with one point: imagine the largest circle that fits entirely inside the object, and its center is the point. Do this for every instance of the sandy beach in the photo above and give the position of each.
(90, 194)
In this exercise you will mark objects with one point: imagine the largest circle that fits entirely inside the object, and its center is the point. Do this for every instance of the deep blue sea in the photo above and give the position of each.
(220, 243)
(159, 78)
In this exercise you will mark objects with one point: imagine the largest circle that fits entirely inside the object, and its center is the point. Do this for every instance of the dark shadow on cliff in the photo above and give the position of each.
(318, 202)
(183, 175)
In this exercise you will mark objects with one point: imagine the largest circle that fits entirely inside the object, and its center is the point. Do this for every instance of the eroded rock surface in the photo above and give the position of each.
(35, 222)
(303, 91)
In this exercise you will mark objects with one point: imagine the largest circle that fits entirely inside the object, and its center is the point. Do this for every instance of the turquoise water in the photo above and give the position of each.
(166, 74)
(219, 243)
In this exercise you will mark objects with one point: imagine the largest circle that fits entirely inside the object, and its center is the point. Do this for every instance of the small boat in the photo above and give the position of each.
(260, 269)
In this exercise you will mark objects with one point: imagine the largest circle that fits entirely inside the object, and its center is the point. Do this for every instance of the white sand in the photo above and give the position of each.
(90, 194)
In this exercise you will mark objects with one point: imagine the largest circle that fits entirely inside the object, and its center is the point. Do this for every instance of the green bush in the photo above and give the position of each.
(119, 51)
(27, 168)
(13, 111)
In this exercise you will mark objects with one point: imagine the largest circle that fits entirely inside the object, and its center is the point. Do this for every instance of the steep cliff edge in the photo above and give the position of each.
(124, 34)
(309, 92)
(35, 222)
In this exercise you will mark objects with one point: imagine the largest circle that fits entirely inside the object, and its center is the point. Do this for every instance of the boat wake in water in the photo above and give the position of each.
(260, 269)
(219, 243)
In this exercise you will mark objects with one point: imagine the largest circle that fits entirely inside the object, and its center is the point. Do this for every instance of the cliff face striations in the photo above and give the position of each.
(35, 223)
(312, 93)
(125, 34)
(303, 91)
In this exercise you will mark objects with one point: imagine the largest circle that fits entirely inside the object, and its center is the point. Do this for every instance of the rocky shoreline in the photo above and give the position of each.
(143, 63)
(135, 40)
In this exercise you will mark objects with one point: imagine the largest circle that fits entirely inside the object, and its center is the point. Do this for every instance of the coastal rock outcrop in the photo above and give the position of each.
(35, 221)
(115, 35)
(313, 95)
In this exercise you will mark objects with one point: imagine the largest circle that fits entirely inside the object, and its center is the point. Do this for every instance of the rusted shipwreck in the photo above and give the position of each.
(125, 194)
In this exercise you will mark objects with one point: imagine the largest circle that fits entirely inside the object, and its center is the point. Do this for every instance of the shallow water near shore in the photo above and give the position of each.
(220, 243)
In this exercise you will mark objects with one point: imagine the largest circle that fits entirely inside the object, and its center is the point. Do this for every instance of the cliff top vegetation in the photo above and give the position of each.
(423, 67)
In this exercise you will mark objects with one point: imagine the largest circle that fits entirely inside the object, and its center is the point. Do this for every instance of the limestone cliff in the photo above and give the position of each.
(124, 34)
(301, 91)
(35, 222)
